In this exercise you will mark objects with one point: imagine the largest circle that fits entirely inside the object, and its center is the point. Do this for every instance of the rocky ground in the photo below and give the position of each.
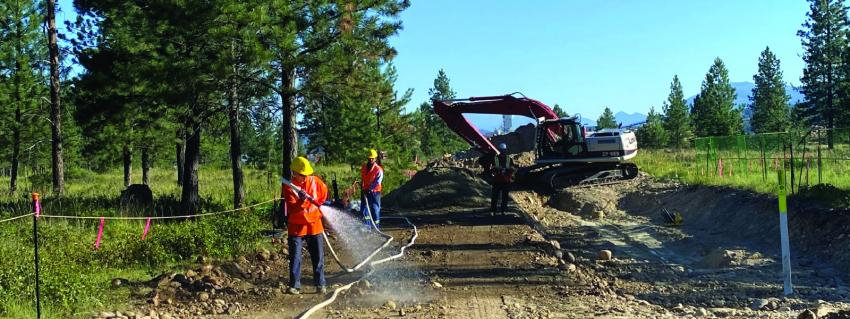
(593, 252)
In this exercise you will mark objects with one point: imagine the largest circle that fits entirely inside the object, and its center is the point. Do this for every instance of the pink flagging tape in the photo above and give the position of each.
(37, 208)
(99, 233)
(147, 228)
(720, 167)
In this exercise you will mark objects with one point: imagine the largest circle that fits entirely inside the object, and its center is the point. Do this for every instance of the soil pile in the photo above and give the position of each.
(518, 141)
(440, 187)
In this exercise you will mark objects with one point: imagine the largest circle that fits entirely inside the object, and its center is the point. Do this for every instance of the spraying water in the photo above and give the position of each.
(356, 239)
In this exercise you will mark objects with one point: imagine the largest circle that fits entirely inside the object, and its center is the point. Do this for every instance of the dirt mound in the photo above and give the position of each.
(518, 141)
(440, 187)
(722, 258)
(586, 201)
(524, 159)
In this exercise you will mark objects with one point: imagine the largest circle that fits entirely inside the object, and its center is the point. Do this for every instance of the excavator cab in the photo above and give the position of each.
(560, 138)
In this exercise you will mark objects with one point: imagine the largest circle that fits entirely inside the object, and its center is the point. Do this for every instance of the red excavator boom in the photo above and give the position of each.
(451, 111)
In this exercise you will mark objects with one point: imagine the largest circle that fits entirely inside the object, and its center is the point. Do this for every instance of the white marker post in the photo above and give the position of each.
(783, 233)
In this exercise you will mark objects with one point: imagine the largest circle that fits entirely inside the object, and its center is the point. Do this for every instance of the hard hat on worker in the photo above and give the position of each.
(373, 153)
(503, 147)
(301, 166)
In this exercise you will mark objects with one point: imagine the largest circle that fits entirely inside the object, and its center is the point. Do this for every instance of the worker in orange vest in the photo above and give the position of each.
(304, 222)
(371, 175)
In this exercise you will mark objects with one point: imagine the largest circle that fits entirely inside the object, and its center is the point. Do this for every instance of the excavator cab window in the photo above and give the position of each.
(564, 138)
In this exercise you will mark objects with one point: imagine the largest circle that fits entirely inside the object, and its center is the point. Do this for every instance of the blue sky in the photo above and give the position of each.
(586, 55)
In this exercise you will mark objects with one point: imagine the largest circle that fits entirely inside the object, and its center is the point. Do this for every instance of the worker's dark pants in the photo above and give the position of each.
(500, 190)
(317, 256)
(374, 207)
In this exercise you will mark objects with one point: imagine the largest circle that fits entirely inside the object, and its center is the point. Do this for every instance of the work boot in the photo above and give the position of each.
(294, 291)
(322, 290)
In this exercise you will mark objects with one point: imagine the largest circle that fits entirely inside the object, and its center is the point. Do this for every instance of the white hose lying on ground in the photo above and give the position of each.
(336, 292)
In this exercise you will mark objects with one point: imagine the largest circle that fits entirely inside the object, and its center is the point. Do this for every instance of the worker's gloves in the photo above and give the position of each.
(302, 196)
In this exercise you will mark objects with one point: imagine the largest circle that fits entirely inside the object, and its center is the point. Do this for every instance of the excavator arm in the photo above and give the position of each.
(451, 111)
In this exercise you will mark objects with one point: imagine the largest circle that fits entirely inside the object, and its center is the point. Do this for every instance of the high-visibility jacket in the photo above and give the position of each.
(371, 178)
(303, 218)
(503, 169)
(503, 164)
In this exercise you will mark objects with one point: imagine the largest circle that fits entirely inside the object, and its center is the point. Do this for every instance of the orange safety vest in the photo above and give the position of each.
(303, 218)
(376, 174)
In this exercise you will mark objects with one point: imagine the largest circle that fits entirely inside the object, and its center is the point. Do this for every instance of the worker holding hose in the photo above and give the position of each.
(372, 175)
(304, 223)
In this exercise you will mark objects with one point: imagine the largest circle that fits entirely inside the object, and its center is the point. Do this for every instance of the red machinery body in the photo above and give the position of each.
(451, 111)
(564, 155)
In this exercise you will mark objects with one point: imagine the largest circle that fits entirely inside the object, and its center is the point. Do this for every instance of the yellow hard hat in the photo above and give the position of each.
(373, 153)
(301, 166)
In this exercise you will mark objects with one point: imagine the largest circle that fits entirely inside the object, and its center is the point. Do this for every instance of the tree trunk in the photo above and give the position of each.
(181, 154)
(16, 142)
(16, 127)
(55, 108)
(146, 166)
(190, 200)
(290, 134)
(128, 165)
(235, 145)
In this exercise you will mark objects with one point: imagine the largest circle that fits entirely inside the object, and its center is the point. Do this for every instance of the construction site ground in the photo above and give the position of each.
(541, 259)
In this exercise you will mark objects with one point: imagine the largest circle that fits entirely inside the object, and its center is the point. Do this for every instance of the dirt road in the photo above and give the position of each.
(540, 261)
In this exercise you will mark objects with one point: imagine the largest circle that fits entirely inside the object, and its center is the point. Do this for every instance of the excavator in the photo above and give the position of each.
(565, 156)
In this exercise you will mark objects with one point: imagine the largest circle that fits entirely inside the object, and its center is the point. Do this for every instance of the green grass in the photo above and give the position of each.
(75, 278)
(748, 170)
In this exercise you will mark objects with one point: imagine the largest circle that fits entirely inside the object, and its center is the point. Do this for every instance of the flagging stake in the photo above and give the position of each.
(36, 209)
(300, 192)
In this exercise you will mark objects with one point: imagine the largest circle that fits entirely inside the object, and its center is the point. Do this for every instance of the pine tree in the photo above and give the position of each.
(22, 44)
(769, 101)
(676, 119)
(606, 120)
(298, 31)
(437, 139)
(824, 38)
(652, 133)
(714, 112)
(559, 111)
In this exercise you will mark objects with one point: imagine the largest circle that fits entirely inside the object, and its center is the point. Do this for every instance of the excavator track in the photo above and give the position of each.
(570, 176)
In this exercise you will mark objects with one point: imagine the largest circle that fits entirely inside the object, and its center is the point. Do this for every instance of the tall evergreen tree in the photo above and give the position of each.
(769, 101)
(297, 32)
(437, 138)
(559, 111)
(676, 119)
(606, 120)
(652, 133)
(22, 45)
(824, 39)
(714, 112)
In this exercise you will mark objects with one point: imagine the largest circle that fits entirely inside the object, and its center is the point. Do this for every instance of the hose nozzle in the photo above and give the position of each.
(300, 191)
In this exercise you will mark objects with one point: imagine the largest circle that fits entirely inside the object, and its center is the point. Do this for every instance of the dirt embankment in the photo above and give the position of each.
(440, 187)
(724, 255)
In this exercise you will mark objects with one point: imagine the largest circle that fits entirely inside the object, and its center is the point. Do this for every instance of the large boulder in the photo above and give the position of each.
(137, 196)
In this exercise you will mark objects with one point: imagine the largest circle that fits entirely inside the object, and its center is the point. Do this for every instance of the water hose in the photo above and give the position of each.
(337, 291)
(313, 201)
(374, 252)
(389, 239)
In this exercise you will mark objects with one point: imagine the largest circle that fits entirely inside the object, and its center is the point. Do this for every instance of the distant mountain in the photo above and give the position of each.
(744, 89)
